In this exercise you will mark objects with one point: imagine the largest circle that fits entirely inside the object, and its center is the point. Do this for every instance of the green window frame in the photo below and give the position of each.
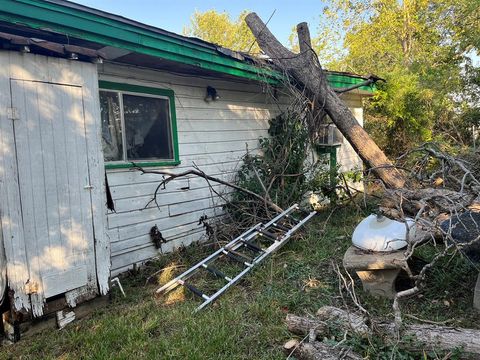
(139, 90)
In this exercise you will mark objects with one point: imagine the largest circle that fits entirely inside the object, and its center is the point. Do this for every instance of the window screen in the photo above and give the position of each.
(135, 127)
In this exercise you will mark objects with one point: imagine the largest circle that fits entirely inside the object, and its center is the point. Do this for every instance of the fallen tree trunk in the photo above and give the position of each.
(317, 350)
(429, 336)
(308, 73)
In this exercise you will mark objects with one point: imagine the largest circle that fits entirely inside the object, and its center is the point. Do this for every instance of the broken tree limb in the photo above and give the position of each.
(317, 350)
(172, 175)
(308, 73)
(429, 336)
(298, 325)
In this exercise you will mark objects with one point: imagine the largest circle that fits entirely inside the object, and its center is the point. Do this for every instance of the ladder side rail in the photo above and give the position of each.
(301, 223)
(224, 288)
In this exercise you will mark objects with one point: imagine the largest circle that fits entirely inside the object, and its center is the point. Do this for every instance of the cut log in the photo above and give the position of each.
(318, 351)
(347, 320)
(298, 324)
(307, 71)
(425, 336)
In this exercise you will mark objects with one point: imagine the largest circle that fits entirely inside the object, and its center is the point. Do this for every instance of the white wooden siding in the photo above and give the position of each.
(57, 103)
(214, 136)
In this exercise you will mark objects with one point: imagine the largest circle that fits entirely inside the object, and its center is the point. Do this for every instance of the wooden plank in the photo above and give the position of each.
(143, 239)
(12, 225)
(76, 236)
(221, 147)
(166, 198)
(3, 266)
(30, 169)
(65, 280)
(135, 217)
(144, 189)
(61, 106)
(164, 223)
(113, 72)
(197, 137)
(187, 207)
(125, 261)
(228, 114)
(51, 253)
(210, 125)
(81, 235)
(93, 133)
(170, 228)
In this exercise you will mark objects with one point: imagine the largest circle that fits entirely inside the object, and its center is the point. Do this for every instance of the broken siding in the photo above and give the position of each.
(214, 136)
(42, 89)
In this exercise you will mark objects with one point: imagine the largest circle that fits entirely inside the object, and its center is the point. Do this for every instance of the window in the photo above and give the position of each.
(138, 125)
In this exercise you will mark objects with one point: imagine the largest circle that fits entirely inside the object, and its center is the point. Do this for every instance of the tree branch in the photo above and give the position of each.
(171, 176)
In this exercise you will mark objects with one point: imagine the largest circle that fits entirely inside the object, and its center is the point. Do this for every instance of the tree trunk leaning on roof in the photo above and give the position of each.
(307, 71)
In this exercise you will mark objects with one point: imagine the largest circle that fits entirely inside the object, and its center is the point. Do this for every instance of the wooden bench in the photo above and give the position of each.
(377, 270)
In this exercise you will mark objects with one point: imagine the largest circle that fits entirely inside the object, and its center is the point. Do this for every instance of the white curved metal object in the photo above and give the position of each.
(378, 233)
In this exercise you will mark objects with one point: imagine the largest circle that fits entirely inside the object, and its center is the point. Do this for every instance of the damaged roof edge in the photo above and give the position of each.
(94, 25)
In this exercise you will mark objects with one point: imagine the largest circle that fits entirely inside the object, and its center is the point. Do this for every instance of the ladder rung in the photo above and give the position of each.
(216, 272)
(280, 227)
(194, 290)
(295, 221)
(268, 234)
(236, 258)
(252, 246)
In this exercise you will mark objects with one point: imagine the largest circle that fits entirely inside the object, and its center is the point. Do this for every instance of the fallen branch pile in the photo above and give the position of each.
(438, 191)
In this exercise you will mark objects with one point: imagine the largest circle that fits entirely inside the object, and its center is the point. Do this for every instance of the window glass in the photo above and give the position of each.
(135, 127)
(111, 126)
(147, 128)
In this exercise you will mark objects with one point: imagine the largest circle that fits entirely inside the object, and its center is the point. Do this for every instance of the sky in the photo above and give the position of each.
(174, 15)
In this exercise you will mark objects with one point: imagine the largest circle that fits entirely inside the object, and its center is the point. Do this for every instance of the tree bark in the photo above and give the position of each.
(307, 71)
(318, 351)
(429, 336)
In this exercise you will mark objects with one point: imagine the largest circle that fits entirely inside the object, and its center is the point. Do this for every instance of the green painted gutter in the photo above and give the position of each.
(87, 24)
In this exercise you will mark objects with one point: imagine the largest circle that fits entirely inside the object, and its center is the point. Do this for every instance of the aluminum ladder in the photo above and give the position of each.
(276, 232)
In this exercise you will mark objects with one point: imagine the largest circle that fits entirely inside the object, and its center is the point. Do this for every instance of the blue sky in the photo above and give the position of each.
(174, 15)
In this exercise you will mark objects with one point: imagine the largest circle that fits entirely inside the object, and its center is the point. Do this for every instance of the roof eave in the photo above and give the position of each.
(82, 22)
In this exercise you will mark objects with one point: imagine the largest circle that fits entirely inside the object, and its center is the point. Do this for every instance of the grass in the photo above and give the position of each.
(248, 321)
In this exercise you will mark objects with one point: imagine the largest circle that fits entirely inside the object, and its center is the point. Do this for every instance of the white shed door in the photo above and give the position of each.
(54, 186)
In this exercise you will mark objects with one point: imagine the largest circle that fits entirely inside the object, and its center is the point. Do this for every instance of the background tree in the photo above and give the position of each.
(220, 29)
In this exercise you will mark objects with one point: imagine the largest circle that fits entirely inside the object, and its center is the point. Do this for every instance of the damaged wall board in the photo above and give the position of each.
(51, 181)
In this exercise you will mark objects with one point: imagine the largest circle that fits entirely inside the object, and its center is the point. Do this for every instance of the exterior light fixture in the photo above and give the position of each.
(212, 94)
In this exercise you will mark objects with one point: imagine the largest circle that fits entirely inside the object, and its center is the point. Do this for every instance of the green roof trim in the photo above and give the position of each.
(88, 24)
(340, 81)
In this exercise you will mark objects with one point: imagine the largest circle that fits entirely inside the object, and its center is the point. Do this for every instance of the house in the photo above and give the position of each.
(83, 94)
